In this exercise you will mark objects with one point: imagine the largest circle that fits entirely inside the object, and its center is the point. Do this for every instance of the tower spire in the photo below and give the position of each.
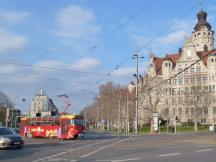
(201, 5)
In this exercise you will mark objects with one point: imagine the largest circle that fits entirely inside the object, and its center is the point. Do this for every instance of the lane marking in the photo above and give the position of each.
(172, 154)
(58, 159)
(126, 160)
(101, 148)
(129, 148)
(204, 150)
(65, 152)
(107, 146)
(89, 154)
(120, 160)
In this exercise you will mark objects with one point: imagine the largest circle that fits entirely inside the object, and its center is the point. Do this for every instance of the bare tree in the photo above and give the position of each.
(199, 98)
(151, 97)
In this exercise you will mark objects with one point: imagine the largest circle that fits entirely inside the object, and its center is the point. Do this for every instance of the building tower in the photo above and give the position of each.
(203, 36)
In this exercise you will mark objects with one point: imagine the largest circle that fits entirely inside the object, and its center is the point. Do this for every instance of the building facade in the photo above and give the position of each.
(42, 105)
(182, 72)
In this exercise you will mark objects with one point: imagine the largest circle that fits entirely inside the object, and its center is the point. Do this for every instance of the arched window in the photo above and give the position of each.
(166, 64)
(212, 60)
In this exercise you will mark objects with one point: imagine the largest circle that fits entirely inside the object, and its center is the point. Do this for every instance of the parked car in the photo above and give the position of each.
(16, 130)
(10, 139)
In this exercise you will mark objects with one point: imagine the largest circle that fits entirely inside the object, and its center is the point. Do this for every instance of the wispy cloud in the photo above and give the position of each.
(14, 17)
(77, 23)
(172, 38)
(86, 64)
(77, 28)
(10, 42)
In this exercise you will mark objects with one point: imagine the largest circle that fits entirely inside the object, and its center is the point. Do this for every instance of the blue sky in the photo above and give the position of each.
(61, 34)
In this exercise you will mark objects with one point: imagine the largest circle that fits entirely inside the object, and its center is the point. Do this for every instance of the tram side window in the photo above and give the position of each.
(57, 123)
(77, 122)
(38, 123)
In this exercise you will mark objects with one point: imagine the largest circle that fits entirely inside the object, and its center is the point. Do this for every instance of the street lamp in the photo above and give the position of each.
(136, 56)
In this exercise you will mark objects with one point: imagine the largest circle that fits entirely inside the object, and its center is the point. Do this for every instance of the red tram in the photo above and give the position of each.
(65, 126)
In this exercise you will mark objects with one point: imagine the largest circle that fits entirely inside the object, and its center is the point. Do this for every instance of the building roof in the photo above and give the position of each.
(202, 21)
(159, 61)
(175, 57)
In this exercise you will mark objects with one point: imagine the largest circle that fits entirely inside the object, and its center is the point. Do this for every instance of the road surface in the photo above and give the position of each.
(99, 147)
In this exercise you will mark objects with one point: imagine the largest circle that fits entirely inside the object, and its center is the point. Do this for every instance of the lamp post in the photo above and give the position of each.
(136, 56)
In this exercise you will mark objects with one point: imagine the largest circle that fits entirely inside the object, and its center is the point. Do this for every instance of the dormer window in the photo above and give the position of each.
(169, 64)
(166, 64)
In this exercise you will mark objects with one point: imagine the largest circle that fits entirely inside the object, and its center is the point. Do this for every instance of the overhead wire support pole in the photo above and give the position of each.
(136, 56)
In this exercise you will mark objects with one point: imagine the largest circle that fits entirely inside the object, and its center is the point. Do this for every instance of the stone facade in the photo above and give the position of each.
(172, 101)
(42, 105)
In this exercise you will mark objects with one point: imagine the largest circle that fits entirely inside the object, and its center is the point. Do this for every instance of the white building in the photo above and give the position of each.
(42, 105)
(203, 73)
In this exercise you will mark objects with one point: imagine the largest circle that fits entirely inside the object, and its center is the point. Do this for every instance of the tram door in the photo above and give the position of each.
(64, 125)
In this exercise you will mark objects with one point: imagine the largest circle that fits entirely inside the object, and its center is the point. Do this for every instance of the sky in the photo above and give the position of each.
(72, 46)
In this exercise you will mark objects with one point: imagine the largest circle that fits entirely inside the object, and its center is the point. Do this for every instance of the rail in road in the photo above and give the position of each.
(103, 147)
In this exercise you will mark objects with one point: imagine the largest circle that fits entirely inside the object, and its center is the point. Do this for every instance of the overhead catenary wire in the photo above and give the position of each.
(60, 69)
(44, 78)
(120, 26)
(158, 34)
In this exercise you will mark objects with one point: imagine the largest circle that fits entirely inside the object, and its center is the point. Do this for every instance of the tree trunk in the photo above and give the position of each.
(195, 122)
(151, 126)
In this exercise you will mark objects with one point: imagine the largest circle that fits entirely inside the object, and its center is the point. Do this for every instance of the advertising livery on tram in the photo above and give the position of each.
(63, 126)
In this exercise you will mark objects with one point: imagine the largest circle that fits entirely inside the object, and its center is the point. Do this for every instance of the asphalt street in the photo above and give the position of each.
(101, 147)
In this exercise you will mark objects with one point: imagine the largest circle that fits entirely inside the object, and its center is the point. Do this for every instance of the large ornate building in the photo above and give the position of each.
(172, 102)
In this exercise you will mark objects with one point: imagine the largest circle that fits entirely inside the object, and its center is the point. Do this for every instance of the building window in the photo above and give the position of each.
(212, 60)
(180, 100)
(186, 110)
(186, 80)
(205, 88)
(199, 80)
(203, 120)
(210, 88)
(192, 70)
(180, 81)
(179, 111)
(213, 88)
(167, 111)
(187, 89)
(198, 69)
(213, 77)
(205, 79)
(205, 111)
(193, 80)
(174, 111)
(166, 64)
(192, 111)
(174, 81)
(173, 101)
(167, 102)
(214, 110)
